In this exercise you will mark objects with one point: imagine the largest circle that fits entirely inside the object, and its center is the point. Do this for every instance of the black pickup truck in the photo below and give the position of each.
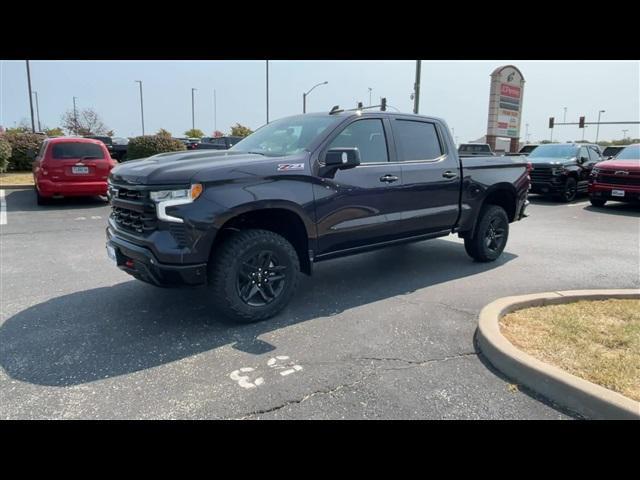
(475, 150)
(217, 143)
(246, 221)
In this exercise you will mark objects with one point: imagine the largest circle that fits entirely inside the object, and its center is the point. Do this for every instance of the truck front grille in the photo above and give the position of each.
(541, 174)
(132, 210)
(609, 176)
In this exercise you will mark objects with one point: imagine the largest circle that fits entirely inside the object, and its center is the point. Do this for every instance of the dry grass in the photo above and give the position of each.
(16, 178)
(595, 340)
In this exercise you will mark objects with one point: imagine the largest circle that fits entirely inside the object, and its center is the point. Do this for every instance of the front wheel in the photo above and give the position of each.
(570, 190)
(491, 235)
(253, 275)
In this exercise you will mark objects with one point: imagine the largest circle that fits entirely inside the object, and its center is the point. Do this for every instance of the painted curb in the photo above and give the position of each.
(16, 187)
(581, 396)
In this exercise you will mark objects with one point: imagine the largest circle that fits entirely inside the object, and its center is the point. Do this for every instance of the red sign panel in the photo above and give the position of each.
(509, 91)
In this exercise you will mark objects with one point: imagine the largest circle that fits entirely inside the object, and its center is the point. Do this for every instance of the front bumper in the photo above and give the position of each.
(142, 264)
(603, 191)
(547, 187)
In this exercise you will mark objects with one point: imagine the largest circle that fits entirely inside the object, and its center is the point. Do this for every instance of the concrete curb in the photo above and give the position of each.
(16, 187)
(581, 396)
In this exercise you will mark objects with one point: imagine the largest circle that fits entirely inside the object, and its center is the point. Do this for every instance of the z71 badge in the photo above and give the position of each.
(284, 167)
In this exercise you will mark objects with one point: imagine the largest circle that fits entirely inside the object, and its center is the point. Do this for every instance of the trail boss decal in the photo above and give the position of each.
(284, 167)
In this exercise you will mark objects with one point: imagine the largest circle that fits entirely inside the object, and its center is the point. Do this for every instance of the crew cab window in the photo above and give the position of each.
(417, 140)
(368, 137)
(76, 150)
(583, 153)
(593, 155)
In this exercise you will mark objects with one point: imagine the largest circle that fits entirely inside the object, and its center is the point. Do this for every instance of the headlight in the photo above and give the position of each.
(171, 198)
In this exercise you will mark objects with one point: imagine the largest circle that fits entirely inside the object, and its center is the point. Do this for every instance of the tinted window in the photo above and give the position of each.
(417, 140)
(474, 148)
(554, 151)
(219, 141)
(593, 155)
(368, 137)
(528, 148)
(611, 151)
(76, 150)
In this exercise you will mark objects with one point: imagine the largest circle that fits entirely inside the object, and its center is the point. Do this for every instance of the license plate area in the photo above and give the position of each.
(617, 193)
(79, 170)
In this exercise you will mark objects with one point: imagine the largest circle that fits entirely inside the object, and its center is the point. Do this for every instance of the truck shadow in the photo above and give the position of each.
(25, 201)
(111, 331)
(617, 208)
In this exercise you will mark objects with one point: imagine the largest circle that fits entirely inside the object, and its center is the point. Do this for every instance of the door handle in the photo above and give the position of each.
(388, 178)
(449, 174)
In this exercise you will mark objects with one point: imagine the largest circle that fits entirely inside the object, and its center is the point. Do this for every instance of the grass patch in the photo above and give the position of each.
(598, 341)
(16, 178)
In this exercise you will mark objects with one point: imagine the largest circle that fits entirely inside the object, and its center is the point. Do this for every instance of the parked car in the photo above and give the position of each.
(612, 150)
(217, 143)
(562, 170)
(71, 167)
(617, 179)
(189, 143)
(527, 149)
(475, 149)
(300, 190)
(117, 146)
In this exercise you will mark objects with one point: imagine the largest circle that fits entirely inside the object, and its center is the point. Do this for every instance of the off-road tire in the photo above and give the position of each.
(478, 247)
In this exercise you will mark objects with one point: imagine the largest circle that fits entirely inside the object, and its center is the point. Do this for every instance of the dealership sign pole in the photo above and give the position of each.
(505, 106)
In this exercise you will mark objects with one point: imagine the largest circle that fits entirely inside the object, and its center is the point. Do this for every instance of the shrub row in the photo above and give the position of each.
(5, 153)
(148, 145)
(21, 144)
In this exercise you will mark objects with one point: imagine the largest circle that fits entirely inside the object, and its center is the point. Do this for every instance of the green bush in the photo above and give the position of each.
(5, 154)
(148, 145)
(21, 143)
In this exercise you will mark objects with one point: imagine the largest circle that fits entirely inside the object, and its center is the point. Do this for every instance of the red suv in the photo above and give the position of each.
(71, 167)
(617, 179)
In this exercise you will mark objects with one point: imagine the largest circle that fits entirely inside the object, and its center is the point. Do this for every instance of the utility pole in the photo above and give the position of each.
(141, 106)
(215, 120)
(37, 111)
(193, 111)
(598, 127)
(304, 96)
(75, 117)
(526, 135)
(624, 134)
(416, 88)
(33, 123)
(564, 119)
(370, 90)
(267, 90)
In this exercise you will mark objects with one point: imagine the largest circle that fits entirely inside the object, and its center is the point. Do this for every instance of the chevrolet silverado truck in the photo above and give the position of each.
(245, 222)
(562, 170)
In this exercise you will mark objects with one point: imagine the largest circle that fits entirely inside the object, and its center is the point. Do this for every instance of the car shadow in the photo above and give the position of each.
(617, 208)
(110, 331)
(25, 201)
(548, 201)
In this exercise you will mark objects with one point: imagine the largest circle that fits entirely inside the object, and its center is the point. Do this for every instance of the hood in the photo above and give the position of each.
(551, 161)
(628, 165)
(175, 168)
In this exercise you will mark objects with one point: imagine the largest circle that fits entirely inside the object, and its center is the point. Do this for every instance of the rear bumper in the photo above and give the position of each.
(48, 188)
(603, 191)
(142, 264)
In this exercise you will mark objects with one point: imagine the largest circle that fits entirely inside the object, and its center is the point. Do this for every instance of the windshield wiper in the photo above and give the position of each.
(259, 153)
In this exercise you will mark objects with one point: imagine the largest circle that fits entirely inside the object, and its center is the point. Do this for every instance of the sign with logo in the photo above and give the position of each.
(505, 102)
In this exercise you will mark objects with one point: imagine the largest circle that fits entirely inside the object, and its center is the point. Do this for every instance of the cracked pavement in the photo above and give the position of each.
(382, 335)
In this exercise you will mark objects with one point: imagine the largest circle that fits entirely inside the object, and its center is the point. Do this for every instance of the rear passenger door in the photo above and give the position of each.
(430, 174)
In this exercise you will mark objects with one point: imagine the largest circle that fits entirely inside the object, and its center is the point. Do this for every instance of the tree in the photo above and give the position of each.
(194, 133)
(240, 131)
(218, 134)
(88, 122)
(54, 132)
(111, 133)
(163, 133)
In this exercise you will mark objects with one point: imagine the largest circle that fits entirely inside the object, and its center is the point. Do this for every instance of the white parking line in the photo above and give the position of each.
(577, 204)
(3, 209)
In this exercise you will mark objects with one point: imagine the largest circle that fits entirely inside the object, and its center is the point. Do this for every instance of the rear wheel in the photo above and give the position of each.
(491, 235)
(40, 199)
(597, 202)
(253, 275)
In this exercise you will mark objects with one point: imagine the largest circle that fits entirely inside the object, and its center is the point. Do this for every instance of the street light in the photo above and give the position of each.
(141, 106)
(624, 134)
(370, 90)
(304, 96)
(598, 128)
(193, 114)
(37, 111)
(33, 125)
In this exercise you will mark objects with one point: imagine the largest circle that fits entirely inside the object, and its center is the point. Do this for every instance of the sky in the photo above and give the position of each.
(457, 91)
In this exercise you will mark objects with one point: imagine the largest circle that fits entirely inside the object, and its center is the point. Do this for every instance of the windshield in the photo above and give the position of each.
(62, 151)
(555, 151)
(630, 153)
(286, 136)
(610, 151)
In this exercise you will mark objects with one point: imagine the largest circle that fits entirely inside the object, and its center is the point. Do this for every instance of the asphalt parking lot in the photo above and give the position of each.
(386, 334)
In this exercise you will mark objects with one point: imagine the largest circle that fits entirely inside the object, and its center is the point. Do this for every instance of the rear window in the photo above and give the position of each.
(418, 140)
(62, 151)
(528, 148)
(611, 151)
(474, 148)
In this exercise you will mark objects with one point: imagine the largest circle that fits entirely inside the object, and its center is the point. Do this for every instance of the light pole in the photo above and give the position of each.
(416, 87)
(141, 106)
(75, 117)
(370, 90)
(585, 127)
(37, 111)
(193, 111)
(304, 96)
(33, 123)
(267, 73)
(526, 135)
(564, 119)
(215, 119)
(598, 127)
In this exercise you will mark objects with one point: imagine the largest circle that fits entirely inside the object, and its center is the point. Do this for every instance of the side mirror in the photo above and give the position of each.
(582, 159)
(342, 158)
